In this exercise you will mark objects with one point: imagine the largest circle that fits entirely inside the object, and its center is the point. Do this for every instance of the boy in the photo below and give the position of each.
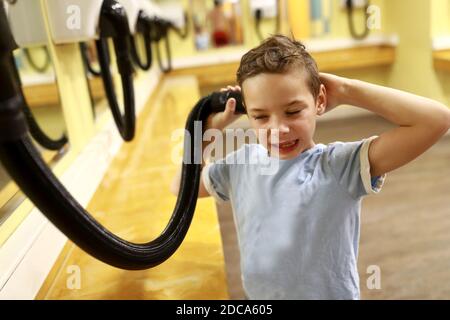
(298, 228)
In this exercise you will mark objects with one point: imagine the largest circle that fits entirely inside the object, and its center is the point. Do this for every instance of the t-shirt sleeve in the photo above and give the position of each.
(349, 162)
(216, 179)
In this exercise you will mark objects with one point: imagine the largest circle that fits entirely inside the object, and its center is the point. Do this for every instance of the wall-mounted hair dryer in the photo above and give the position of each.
(27, 24)
(140, 22)
(84, 49)
(160, 24)
(350, 7)
(263, 9)
(153, 22)
(82, 20)
(143, 26)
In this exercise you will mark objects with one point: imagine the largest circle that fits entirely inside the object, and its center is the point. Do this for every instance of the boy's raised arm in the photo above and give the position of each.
(422, 122)
(175, 186)
(215, 121)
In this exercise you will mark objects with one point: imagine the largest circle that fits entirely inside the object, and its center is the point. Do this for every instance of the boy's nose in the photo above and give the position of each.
(280, 128)
(278, 134)
(284, 128)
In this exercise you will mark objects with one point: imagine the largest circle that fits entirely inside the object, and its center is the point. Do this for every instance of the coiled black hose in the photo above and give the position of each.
(143, 27)
(24, 164)
(35, 130)
(182, 33)
(351, 23)
(114, 24)
(40, 136)
(33, 64)
(126, 123)
(160, 31)
(86, 61)
(148, 52)
(163, 68)
(258, 19)
(26, 167)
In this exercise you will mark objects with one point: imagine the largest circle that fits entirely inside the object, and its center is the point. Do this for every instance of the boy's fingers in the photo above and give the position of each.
(229, 108)
(231, 88)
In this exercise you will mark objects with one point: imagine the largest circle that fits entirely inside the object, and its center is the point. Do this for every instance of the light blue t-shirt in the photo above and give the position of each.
(298, 225)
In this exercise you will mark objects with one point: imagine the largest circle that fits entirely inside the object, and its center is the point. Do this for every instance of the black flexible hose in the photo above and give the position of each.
(182, 33)
(33, 64)
(114, 24)
(258, 19)
(351, 23)
(160, 31)
(163, 68)
(143, 26)
(26, 167)
(30, 173)
(90, 70)
(126, 124)
(8, 84)
(40, 136)
(35, 130)
(87, 62)
(148, 52)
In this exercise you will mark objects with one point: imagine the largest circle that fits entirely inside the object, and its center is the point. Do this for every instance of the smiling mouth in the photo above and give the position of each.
(286, 146)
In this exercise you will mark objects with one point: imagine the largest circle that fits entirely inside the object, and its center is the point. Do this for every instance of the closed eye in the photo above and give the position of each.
(259, 117)
(293, 112)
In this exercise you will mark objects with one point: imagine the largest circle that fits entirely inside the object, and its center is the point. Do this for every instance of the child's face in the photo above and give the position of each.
(283, 103)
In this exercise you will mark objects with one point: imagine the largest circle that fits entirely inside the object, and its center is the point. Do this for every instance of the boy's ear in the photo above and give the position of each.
(321, 101)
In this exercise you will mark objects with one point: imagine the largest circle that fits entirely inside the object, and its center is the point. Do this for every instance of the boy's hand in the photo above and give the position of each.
(220, 120)
(336, 89)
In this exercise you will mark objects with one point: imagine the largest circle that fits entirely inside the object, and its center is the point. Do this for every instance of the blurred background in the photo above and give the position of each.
(182, 50)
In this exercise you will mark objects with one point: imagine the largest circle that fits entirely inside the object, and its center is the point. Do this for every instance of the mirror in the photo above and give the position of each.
(217, 23)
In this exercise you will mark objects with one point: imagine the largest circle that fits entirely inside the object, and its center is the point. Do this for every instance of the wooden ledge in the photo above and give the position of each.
(46, 94)
(332, 60)
(441, 60)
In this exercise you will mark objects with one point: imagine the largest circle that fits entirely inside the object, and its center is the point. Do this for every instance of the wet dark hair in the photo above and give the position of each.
(279, 54)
